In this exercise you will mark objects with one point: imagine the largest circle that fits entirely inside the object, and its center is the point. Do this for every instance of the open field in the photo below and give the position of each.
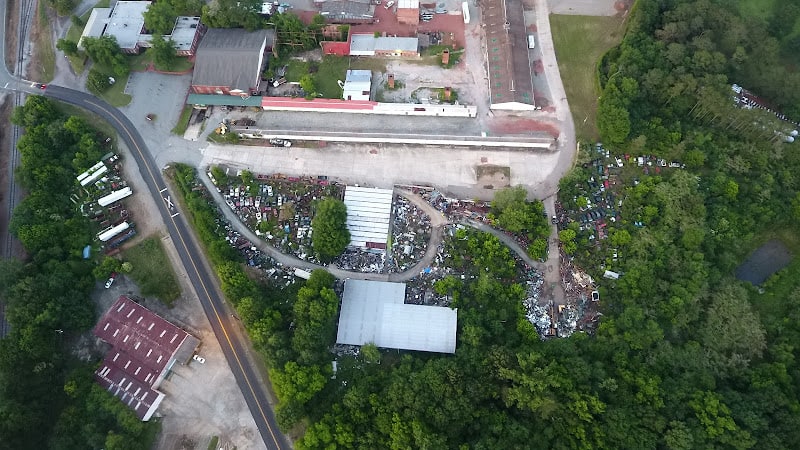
(115, 95)
(152, 270)
(326, 73)
(142, 61)
(45, 67)
(756, 8)
(580, 42)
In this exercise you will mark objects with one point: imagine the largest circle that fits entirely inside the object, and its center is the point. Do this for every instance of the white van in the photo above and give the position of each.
(531, 41)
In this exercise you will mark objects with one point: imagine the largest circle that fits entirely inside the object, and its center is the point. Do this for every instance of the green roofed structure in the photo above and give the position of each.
(223, 100)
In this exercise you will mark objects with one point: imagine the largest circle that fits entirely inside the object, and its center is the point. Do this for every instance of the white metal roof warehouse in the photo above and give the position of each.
(374, 312)
(368, 213)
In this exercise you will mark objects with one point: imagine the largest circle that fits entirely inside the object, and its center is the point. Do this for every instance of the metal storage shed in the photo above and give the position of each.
(375, 312)
(368, 214)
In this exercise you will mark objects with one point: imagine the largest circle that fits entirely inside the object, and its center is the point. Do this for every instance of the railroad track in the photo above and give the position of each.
(27, 11)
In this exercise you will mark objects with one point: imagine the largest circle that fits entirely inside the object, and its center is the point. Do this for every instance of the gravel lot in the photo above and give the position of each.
(453, 170)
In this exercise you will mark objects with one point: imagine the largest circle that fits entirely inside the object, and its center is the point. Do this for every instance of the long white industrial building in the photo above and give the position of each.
(114, 196)
(110, 232)
(368, 213)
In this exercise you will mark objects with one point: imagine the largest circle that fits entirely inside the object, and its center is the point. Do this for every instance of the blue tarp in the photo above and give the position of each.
(87, 251)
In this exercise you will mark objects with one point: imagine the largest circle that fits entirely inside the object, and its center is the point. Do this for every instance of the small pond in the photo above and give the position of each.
(765, 261)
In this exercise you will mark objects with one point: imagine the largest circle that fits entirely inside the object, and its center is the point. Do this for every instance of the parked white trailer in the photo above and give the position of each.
(114, 196)
(92, 174)
(300, 273)
(110, 232)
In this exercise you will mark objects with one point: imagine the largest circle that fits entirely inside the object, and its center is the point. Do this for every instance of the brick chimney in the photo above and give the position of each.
(445, 57)
(447, 93)
(391, 81)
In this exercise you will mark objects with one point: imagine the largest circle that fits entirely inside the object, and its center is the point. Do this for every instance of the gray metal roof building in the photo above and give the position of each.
(231, 59)
(348, 11)
(368, 214)
(375, 312)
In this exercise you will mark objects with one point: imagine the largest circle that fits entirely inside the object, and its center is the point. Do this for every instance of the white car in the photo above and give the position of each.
(111, 280)
(199, 359)
(389, 4)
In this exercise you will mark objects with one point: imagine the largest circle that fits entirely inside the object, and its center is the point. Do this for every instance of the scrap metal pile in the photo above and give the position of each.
(411, 231)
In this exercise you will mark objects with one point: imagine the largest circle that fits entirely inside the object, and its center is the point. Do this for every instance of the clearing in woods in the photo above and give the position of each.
(580, 42)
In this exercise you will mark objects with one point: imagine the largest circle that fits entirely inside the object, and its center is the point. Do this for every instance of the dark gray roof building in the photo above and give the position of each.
(348, 11)
(229, 61)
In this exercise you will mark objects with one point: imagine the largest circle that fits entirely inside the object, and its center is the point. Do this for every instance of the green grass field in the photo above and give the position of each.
(580, 42)
(328, 72)
(756, 8)
(141, 61)
(45, 47)
(152, 270)
(116, 96)
(183, 121)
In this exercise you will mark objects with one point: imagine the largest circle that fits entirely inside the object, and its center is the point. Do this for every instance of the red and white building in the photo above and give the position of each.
(144, 348)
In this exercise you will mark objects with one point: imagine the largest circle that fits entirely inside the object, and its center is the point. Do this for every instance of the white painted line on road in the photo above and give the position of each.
(174, 215)
(161, 191)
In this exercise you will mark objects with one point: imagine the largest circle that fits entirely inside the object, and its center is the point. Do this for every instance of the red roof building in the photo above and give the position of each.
(144, 347)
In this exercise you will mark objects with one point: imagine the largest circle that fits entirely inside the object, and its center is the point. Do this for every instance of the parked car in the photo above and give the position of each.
(389, 4)
(111, 280)
(280, 142)
(199, 359)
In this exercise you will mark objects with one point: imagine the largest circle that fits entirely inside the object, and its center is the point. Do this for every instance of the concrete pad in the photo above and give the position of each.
(453, 170)
(584, 7)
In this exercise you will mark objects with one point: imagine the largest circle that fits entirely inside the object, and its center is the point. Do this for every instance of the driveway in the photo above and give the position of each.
(584, 7)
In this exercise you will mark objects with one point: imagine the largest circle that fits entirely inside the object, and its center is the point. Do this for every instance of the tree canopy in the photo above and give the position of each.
(48, 397)
(330, 236)
(105, 51)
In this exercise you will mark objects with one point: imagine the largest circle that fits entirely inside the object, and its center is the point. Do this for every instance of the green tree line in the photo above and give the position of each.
(48, 398)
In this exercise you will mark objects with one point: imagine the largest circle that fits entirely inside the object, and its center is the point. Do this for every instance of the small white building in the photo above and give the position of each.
(357, 85)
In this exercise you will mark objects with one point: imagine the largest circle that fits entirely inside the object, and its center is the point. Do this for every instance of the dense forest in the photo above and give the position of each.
(48, 398)
(686, 356)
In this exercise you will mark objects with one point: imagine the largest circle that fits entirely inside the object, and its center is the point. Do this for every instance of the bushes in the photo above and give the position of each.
(98, 82)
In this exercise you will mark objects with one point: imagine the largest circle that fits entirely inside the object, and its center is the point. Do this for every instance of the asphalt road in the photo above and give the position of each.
(192, 259)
